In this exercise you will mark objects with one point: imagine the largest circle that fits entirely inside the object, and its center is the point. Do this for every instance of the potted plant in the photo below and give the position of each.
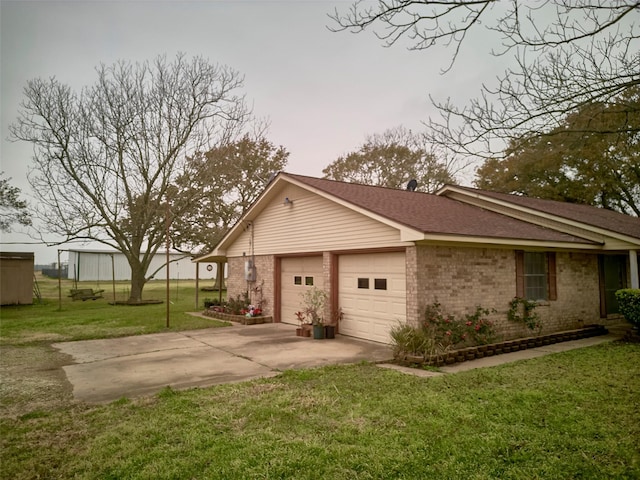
(302, 330)
(314, 301)
(330, 329)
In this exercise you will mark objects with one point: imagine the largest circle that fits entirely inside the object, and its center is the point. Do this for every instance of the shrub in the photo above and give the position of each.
(439, 332)
(629, 304)
(208, 302)
(236, 305)
(314, 301)
(448, 331)
(409, 340)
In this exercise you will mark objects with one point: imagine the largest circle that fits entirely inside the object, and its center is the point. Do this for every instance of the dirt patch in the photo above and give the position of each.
(33, 380)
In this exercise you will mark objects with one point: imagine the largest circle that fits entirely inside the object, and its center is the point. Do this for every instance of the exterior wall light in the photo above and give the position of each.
(288, 201)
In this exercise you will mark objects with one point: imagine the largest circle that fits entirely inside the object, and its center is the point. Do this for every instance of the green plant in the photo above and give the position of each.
(481, 330)
(528, 316)
(449, 331)
(409, 340)
(236, 305)
(439, 332)
(209, 302)
(629, 304)
(314, 302)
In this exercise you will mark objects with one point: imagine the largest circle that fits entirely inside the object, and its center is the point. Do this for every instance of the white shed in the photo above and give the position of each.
(96, 265)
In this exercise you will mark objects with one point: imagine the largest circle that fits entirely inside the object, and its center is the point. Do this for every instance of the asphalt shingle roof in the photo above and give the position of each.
(587, 214)
(434, 214)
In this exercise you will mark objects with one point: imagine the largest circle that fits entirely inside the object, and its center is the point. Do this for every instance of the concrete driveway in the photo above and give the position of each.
(106, 370)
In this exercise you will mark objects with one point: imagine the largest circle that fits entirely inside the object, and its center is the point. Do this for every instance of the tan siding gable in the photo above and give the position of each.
(311, 224)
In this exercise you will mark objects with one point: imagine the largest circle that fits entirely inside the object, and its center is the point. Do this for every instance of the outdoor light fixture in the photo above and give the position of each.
(288, 201)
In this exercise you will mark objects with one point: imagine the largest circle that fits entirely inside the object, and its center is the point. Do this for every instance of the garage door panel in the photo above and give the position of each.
(370, 313)
(292, 290)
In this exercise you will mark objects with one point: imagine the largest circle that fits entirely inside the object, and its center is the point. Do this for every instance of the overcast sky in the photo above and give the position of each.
(323, 92)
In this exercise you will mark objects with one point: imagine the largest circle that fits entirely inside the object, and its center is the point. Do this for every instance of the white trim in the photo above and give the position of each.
(463, 240)
(633, 263)
(596, 233)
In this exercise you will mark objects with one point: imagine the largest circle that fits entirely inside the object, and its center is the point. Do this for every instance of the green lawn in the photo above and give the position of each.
(573, 415)
(78, 320)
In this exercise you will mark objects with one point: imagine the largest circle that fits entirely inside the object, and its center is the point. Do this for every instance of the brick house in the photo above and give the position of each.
(383, 255)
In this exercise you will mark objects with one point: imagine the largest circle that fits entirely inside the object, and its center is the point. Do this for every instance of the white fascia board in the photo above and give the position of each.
(504, 242)
(216, 256)
(411, 235)
(598, 233)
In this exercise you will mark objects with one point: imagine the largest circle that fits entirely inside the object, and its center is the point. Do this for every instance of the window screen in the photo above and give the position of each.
(535, 276)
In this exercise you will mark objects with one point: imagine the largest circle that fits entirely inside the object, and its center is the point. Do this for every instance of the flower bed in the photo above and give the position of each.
(243, 319)
(481, 351)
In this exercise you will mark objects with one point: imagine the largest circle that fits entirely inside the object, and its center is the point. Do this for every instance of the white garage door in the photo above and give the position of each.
(297, 275)
(372, 294)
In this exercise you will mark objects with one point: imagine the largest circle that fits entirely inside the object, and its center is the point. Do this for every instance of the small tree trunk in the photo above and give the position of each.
(137, 283)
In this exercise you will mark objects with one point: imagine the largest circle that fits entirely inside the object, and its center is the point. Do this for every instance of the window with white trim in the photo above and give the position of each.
(536, 275)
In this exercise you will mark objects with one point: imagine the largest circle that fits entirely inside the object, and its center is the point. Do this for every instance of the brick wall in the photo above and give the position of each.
(415, 302)
(236, 284)
(328, 260)
(578, 291)
(462, 278)
(261, 289)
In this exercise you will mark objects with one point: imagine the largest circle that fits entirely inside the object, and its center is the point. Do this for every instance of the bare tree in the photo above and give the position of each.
(12, 209)
(567, 54)
(105, 158)
(392, 159)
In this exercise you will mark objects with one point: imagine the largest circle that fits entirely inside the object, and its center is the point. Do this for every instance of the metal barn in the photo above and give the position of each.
(97, 265)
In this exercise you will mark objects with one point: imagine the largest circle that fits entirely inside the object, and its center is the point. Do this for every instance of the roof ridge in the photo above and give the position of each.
(382, 187)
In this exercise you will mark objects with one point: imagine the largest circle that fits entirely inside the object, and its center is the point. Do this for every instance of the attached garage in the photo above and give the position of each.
(372, 294)
(297, 275)
(382, 255)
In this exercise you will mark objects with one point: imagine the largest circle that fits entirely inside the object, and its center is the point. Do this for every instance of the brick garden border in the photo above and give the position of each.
(481, 351)
(244, 320)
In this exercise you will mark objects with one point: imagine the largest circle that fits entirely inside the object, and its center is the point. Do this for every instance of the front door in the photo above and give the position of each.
(613, 277)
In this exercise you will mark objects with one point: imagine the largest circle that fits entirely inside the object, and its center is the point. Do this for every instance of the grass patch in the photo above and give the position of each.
(50, 321)
(569, 415)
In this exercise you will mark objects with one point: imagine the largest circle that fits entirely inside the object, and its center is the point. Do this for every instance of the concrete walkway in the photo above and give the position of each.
(507, 357)
(109, 369)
